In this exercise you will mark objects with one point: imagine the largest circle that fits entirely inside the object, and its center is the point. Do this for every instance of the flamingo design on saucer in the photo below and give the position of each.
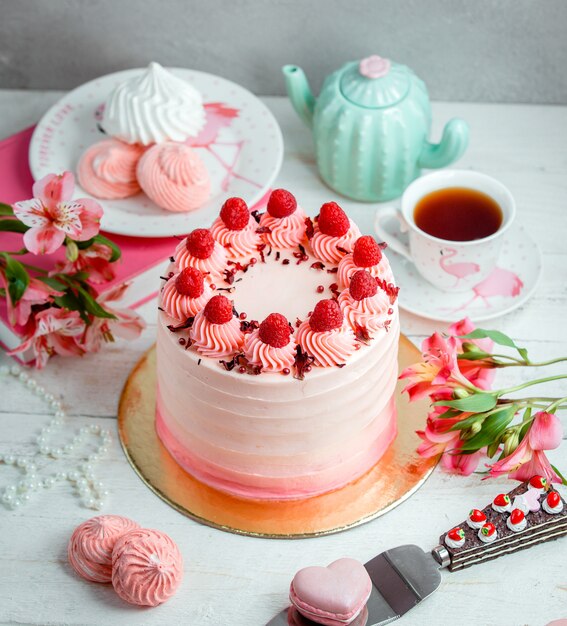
(459, 270)
(509, 285)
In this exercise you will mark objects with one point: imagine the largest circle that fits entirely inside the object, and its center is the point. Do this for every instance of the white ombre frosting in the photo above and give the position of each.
(370, 313)
(326, 247)
(153, 107)
(240, 245)
(270, 358)
(217, 341)
(273, 436)
(214, 265)
(285, 232)
(180, 307)
(329, 348)
(347, 268)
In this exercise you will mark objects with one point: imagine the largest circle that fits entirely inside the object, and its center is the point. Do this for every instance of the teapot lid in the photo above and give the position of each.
(374, 82)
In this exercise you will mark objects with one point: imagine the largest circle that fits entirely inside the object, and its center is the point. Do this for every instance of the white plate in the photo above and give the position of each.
(243, 156)
(508, 287)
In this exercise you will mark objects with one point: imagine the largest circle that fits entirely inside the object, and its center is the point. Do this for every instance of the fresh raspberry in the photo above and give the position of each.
(218, 310)
(366, 252)
(189, 282)
(275, 330)
(235, 214)
(281, 203)
(200, 243)
(327, 315)
(333, 220)
(362, 285)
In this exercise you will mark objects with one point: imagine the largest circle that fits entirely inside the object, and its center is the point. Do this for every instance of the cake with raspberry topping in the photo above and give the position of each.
(277, 351)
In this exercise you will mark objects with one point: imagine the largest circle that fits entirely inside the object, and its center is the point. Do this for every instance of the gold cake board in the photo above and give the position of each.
(398, 474)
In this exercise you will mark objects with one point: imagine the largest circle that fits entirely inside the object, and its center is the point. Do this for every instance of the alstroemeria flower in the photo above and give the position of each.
(127, 325)
(438, 370)
(464, 464)
(479, 374)
(52, 215)
(56, 331)
(546, 432)
(36, 293)
(529, 459)
(95, 260)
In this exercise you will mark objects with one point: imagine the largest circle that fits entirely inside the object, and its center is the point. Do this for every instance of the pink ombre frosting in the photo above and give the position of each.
(347, 268)
(330, 348)
(174, 177)
(107, 169)
(285, 232)
(370, 313)
(180, 307)
(271, 359)
(147, 567)
(216, 340)
(213, 265)
(326, 247)
(240, 245)
(91, 544)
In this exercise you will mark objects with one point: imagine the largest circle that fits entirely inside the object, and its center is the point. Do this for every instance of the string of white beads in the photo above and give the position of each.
(92, 492)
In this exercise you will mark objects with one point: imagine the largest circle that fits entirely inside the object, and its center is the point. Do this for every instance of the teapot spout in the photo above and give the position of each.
(299, 93)
(452, 146)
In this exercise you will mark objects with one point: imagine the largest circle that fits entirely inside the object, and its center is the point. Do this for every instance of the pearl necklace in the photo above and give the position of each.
(90, 491)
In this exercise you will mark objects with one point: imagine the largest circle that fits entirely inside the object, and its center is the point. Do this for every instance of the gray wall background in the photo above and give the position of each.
(476, 50)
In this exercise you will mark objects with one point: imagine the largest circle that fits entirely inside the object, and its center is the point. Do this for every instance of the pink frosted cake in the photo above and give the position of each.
(277, 352)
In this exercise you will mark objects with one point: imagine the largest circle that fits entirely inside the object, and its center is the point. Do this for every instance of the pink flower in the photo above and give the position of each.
(437, 371)
(478, 373)
(36, 293)
(55, 331)
(546, 431)
(529, 459)
(464, 464)
(52, 215)
(95, 260)
(127, 325)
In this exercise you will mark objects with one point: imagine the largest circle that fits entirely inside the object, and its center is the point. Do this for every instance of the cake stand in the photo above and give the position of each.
(398, 474)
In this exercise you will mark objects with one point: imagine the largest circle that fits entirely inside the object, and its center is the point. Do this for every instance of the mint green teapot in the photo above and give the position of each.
(371, 124)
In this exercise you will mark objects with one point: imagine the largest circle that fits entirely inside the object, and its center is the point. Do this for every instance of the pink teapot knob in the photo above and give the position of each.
(374, 66)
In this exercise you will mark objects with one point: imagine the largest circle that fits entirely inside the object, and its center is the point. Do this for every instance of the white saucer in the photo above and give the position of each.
(243, 157)
(507, 288)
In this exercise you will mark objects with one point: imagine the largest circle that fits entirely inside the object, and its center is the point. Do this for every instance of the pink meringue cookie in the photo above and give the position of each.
(147, 567)
(107, 169)
(334, 595)
(91, 544)
(174, 177)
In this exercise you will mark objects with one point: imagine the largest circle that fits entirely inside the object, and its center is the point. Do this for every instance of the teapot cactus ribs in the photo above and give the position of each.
(531, 513)
(371, 124)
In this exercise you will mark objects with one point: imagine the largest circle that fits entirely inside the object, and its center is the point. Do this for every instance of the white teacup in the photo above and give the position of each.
(448, 265)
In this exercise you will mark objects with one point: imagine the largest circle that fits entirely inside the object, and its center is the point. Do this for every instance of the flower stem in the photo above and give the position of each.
(530, 383)
(555, 405)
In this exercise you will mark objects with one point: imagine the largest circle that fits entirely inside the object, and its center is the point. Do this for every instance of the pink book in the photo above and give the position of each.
(143, 258)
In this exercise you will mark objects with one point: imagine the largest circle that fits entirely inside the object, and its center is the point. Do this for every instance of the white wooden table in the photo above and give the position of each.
(240, 581)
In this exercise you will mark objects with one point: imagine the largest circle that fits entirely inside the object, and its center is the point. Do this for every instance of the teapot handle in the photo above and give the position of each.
(452, 146)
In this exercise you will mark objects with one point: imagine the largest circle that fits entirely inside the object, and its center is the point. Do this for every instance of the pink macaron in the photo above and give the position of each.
(174, 177)
(147, 567)
(335, 595)
(91, 544)
(107, 169)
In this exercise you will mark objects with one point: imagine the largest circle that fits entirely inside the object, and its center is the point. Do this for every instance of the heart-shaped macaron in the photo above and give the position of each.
(333, 595)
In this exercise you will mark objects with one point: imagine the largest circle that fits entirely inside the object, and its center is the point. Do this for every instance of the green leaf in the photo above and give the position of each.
(564, 480)
(53, 283)
(449, 413)
(17, 277)
(91, 305)
(116, 252)
(476, 403)
(6, 209)
(498, 337)
(473, 356)
(12, 226)
(492, 429)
